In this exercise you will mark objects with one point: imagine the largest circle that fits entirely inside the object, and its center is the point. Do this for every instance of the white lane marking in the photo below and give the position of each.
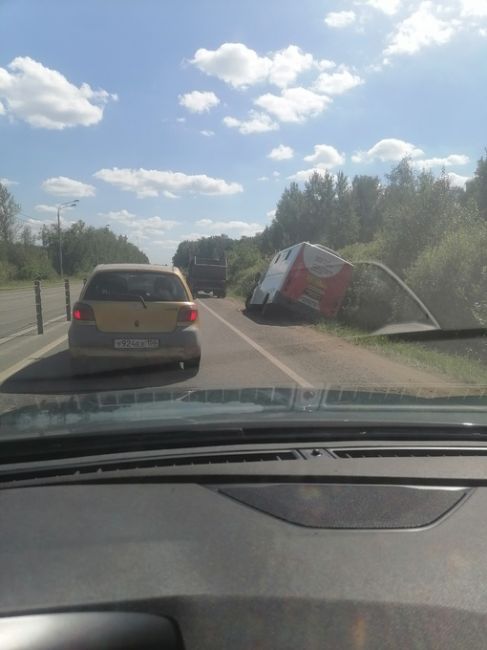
(270, 357)
(14, 345)
(32, 357)
(6, 339)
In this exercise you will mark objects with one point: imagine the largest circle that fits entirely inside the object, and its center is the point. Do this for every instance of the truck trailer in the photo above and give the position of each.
(208, 275)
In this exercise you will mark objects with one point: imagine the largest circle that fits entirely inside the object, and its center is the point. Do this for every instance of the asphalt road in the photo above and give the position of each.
(237, 352)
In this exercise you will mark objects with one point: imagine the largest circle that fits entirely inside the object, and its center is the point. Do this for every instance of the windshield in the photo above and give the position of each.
(230, 200)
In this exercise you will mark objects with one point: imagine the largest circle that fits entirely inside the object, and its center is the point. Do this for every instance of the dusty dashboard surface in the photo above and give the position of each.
(268, 564)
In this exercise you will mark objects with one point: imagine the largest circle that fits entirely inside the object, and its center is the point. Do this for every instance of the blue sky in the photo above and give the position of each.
(175, 119)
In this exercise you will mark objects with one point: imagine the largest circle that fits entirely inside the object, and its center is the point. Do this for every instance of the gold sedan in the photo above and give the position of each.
(134, 314)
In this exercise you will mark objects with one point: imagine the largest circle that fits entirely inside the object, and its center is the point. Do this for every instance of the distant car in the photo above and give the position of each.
(134, 314)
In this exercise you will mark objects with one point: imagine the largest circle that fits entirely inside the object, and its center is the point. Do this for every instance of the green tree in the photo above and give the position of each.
(27, 237)
(417, 209)
(477, 187)
(85, 246)
(366, 195)
(288, 216)
(318, 208)
(343, 227)
(451, 276)
(9, 210)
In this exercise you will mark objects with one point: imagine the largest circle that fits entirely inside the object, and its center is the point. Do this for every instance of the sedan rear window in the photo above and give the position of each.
(124, 286)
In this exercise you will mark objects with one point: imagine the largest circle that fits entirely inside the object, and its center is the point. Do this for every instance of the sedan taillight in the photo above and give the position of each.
(187, 315)
(83, 312)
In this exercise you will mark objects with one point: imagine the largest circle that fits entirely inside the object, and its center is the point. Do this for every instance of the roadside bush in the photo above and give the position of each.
(451, 277)
(369, 301)
(6, 271)
(30, 262)
(373, 250)
(246, 279)
(244, 261)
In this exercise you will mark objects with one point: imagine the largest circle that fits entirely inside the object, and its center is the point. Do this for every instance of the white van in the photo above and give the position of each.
(304, 275)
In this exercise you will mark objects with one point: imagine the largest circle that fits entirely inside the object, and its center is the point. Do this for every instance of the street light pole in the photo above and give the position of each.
(61, 206)
(59, 240)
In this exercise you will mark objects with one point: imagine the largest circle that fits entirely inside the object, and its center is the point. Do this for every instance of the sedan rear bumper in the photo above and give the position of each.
(87, 342)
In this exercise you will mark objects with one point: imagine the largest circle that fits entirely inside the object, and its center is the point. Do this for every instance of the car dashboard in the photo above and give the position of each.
(355, 545)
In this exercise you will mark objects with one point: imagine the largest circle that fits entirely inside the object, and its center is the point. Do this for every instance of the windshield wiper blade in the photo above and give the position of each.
(129, 296)
(138, 297)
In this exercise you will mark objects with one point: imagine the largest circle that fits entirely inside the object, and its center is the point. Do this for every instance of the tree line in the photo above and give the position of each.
(430, 232)
(26, 256)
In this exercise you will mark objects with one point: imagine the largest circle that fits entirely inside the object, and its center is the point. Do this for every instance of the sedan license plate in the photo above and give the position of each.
(135, 344)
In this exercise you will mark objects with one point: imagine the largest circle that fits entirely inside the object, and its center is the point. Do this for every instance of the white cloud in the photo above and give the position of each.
(207, 133)
(327, 155)
(7, 182)
(473, 8)
(293, 104)
(234, 63)
(36, 225)
(276, 174)
(233, 228)
(181, 120)
(456, 180)
(50, 209)
(257, 123)
(44, 98)
(282, 152)
(421, 29)
(240, 66)
(199, 102)
(170, 244)
(67, 187)
(388, 149)
(204, 222)
(325, 64)
(145, 228)
(448, 161)
(336, 83)
(262, 179)
(152, 182)
(288, 64)
(388, 7)
(339, 19)
(192, 236)
(271, 214)
(305, 174)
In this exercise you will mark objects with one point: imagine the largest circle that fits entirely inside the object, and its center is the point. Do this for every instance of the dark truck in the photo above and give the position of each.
(207, 275)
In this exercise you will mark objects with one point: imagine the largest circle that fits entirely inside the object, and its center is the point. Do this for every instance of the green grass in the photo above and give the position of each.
(457, 367)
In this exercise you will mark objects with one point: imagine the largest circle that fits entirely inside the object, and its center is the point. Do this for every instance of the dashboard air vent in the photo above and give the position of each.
(77, 467)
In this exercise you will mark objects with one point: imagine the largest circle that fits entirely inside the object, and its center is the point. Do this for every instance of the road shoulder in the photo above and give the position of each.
(381, 369)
